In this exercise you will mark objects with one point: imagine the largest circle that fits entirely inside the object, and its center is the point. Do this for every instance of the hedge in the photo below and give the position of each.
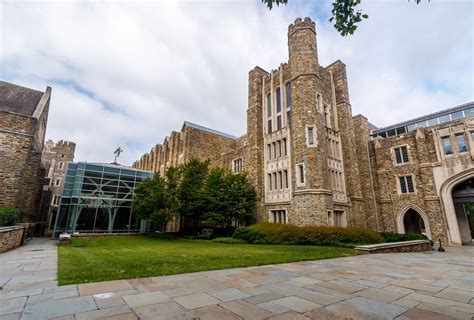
(396, 237)
(228, 240)
(8, 216)
(272, 233)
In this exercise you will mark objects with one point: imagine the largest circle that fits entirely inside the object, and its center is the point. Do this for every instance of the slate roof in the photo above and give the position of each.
(196, 126)
(18, 99)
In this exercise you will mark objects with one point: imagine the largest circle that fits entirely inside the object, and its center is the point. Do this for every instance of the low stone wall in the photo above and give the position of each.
(11, 237)
(403, 246)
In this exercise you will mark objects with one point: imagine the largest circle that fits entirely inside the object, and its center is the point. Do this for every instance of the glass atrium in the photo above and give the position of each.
(97, 198)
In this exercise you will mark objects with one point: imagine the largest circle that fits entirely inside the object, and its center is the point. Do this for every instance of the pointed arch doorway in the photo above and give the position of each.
(412, 219)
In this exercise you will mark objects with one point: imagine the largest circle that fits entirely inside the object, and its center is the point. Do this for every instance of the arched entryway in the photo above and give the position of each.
(463, 200)
(413, 222)
(412, 219)
(456, 194)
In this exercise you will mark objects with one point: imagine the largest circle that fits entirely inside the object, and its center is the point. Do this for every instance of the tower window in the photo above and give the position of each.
(310, 136)
(285, 173)
(270, 182)
(301, 173)
(401, 154)
(269, 105)
(275, 182)
(278, 100)
(269, 113)
(461, 143)
(60, 165)
(284, 147)
(288, 96)
(278, 108)
(280, 177)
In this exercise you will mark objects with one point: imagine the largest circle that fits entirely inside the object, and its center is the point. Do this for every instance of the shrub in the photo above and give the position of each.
(228, 240)
(272, 233)
(248, 235)
(8, 216)
(396, 237)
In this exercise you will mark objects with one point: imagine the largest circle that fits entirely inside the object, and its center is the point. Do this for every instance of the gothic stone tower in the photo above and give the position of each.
(310, 119)
(303, 165)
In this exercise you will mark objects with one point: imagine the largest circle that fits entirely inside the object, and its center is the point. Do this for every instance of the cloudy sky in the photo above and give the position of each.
(129, 72)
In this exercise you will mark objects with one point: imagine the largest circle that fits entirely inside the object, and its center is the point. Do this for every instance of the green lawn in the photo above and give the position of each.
(110, 258)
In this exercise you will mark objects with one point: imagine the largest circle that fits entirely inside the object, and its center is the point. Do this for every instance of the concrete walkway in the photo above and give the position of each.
(429, 285)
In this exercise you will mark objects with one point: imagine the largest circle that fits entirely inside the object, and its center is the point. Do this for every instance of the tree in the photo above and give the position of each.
(344, 14)
(228, 198)
(150, 201)
(193, 177)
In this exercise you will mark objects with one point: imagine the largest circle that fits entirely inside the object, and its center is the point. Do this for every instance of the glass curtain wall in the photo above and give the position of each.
(97, 198)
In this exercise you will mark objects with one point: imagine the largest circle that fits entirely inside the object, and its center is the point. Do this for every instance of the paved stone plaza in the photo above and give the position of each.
(429, 285)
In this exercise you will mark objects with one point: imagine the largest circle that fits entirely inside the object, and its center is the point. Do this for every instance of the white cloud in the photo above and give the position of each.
(128, 73)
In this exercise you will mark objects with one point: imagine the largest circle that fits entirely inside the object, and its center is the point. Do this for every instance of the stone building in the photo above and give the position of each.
(23, 119)
(313, 163)
(54, 159)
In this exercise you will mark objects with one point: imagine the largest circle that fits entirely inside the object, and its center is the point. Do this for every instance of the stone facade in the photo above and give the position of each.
(23, 119)
(54, 159)
(314, 163)
(11, 237)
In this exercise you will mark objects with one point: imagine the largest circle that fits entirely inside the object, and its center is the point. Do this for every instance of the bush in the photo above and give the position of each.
(228, 240)
(248, 235)
(8, 216)
(396, 237)
(272, 233)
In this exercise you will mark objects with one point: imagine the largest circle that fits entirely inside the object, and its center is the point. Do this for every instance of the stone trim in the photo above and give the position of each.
(313, 191)
(16, 132)
(402, 246)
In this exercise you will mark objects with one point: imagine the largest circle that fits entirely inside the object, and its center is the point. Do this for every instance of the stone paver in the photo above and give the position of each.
(273, 308)
(296, 304)
(426, 285)
(197, 300)
(142, 299)
(215, 313)
(229, 294)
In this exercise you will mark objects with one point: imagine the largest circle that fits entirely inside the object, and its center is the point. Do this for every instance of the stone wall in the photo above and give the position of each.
(391, 203)
(21, 144)
(21, 177)
(10, 237)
